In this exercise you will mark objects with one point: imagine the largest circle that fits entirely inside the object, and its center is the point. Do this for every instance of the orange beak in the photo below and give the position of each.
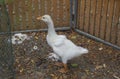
(39, 18)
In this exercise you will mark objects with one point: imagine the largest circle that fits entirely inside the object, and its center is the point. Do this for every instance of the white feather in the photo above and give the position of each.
(62, 46)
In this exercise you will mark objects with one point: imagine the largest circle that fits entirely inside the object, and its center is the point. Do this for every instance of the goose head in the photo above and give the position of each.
(46, 18)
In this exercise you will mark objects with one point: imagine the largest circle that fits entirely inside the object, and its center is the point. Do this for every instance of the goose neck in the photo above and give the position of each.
(51, 29)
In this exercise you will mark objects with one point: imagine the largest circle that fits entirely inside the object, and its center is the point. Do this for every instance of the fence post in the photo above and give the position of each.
(75, 12)
(71, 13)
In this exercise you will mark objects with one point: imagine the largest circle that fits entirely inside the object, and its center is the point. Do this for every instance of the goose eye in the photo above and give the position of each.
(43, 17)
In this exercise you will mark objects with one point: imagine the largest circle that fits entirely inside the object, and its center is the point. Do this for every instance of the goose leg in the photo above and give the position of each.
(65, 69)
(59, 64)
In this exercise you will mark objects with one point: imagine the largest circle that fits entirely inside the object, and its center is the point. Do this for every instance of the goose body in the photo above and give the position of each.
(65, 48)
(62, 47)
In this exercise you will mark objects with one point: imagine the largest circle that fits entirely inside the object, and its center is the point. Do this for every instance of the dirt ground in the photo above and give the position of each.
(102, 62)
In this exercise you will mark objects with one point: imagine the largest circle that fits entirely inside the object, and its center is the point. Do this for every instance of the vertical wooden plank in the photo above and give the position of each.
(58, 11)
(54, 5)
(29, 14)
(3, 18)
(115, 22)
(20, 15)
(118, 32)
(92, 16)
(66, 12)
(61, 22)
(48, 3)
(32, 12)
(82, 12)
(45, 6)
(7, 17)
(78, 16)
(38, 23)
(103, 19)
(23, 18)
(26, 10)
(87, 14)
(39, 8)
(51, 8)
(10, 11)
(98, 17)
(16, 16)
(42, 12)
(118, 35)
(35, 11)
(109, 19)
(0, 18)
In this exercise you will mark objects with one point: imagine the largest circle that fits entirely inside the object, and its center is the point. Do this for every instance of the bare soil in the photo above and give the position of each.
(102, 61)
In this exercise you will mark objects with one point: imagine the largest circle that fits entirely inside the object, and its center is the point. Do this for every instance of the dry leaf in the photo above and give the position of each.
(36, 37)
(21, 70)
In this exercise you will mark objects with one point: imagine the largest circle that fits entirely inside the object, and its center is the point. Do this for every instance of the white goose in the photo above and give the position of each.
(62, 47)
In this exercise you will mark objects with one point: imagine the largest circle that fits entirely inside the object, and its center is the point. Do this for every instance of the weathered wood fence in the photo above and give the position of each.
(100, 18)
(23, 13)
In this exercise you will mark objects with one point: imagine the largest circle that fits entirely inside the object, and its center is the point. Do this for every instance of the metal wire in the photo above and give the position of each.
(71, 13)
(76, 12)
(97, 39)
(38, 30)
(6, 55)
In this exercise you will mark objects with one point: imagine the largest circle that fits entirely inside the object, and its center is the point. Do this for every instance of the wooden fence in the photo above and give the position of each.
(3, 18)
(23, 13)
(100, 18)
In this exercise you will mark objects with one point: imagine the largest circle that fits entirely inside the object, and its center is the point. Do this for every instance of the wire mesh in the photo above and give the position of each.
(24, 51)
(6, 56)
(25, 57)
